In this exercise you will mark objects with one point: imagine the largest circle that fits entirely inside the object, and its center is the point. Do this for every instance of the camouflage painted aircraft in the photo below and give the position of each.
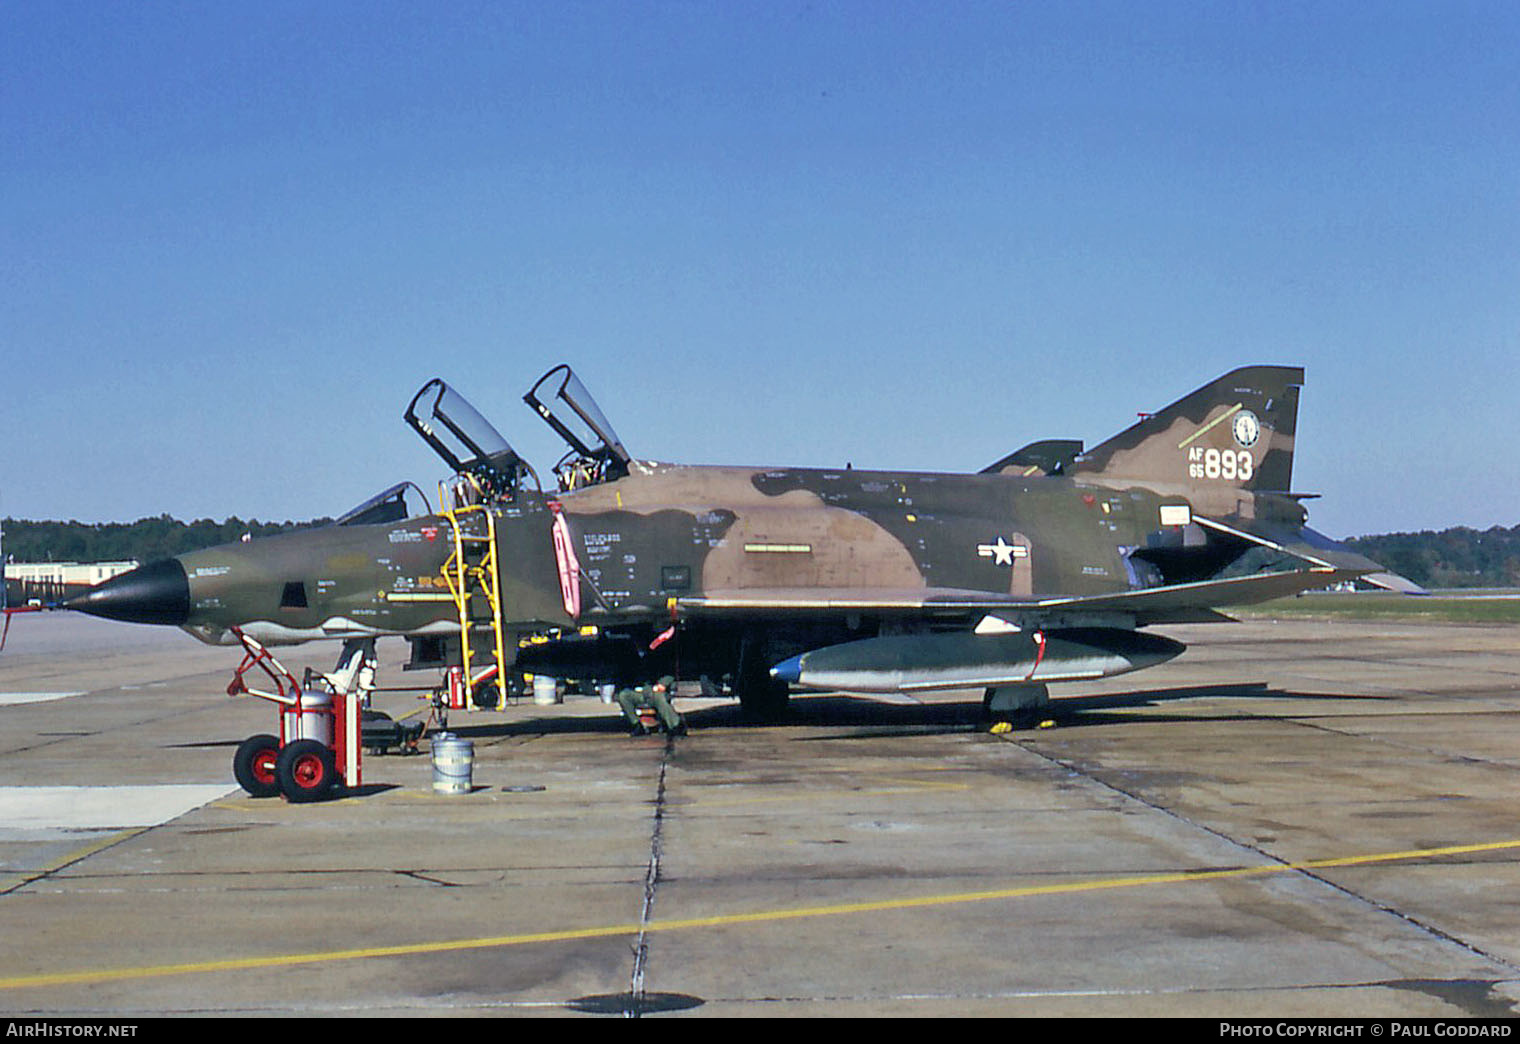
(1044, 567)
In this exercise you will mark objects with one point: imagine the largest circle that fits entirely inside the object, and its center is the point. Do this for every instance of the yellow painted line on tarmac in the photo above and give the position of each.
(731, 920)
(12, 882)
(927, 784)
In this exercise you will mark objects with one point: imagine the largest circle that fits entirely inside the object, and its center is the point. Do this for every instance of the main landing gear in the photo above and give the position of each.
(762, 698)
(318, 750)
(1022, 706)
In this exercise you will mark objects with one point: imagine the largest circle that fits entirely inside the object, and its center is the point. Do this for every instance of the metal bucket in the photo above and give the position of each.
(545, 691)
(453, 764)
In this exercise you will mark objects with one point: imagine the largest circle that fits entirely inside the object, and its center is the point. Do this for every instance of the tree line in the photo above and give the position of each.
(1456, 557)
(145, 540)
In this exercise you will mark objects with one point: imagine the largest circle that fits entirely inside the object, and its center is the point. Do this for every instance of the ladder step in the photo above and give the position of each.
(471, 575)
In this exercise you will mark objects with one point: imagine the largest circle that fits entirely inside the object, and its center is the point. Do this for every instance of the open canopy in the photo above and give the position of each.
(596, 453)
(472, 447)
(465, 440)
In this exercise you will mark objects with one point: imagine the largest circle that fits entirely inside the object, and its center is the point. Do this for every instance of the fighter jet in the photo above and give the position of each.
(1044, 567)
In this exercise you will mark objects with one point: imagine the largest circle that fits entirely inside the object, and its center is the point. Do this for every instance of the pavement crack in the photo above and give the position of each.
(635, 1005)
(31, 877)
(418, 875)
(1412, 921)
(1435, 752)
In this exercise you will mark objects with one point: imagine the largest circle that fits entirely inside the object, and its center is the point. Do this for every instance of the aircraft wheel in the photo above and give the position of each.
(764, 699)
(306, 770)
(253, 765)
(488, 697)
(987, 712)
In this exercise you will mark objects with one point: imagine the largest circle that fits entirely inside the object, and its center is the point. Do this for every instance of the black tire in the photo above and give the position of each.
(254, 763)
(380, 731)
(763, 699)
(306, 770)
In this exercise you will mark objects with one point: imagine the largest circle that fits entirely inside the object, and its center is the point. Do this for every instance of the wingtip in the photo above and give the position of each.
(1394, 582)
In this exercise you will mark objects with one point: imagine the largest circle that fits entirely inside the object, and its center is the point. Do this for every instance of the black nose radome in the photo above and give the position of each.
(157, 593)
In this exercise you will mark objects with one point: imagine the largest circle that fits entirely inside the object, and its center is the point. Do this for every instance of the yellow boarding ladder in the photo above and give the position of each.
(470, 572)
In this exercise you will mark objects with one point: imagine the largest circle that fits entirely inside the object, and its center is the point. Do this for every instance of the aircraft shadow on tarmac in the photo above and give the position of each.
(865, 718)
(833, 710)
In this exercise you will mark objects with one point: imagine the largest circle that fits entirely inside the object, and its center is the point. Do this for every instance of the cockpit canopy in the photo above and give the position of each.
(390, 505)
(465, 440)
(474, 449)
(596, 453)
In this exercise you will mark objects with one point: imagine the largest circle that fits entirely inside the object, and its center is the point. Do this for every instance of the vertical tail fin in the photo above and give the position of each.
(1235, 432)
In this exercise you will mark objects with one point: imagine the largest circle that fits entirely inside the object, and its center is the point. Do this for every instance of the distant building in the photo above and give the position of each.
(48, 582)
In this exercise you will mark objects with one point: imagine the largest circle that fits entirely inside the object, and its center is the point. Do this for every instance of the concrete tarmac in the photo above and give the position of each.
(1297, 818)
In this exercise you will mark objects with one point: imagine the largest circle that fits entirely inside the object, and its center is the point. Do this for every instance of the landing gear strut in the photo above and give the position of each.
(1016, 705)
(761, 697)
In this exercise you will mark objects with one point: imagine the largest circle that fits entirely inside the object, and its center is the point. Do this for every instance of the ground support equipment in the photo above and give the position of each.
(319, 746)
(472, 579)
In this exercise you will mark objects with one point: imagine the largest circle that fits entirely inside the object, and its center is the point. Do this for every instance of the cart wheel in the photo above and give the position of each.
(306, 771)
(253, 765)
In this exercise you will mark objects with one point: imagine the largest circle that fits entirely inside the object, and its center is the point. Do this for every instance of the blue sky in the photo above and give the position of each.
(237, 238)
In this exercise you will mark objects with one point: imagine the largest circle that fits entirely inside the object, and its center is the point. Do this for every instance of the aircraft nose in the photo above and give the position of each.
(157, 593)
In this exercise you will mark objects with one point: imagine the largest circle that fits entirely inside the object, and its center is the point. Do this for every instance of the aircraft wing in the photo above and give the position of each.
(1296, 560)
(1160, 604)
(1174, 603)
(985, 640)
